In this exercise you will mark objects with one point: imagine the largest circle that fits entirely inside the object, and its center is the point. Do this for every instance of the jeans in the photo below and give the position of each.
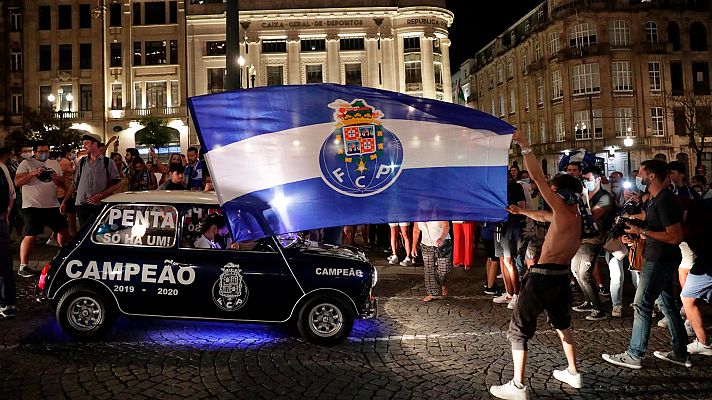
(582, 266)
(615, 266)
(7, 277)
(656, 280)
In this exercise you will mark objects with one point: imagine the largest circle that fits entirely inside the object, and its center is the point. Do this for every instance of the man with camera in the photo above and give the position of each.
(39, 178)
(662, 234)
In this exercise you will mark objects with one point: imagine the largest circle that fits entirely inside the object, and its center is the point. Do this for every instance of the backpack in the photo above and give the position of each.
(84, 161)
(607, 221)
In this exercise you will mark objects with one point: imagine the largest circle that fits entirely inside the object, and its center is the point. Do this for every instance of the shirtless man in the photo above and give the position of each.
(546, 287)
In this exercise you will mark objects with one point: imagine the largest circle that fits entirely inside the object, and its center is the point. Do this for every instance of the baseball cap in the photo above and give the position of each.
(91, 136)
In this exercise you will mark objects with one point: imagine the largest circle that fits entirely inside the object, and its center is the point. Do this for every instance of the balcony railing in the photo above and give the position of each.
(413, 87)
(654, 48)
(536, 65)
(583, 51)
(72, 114)
(157, 111)
(658, 141)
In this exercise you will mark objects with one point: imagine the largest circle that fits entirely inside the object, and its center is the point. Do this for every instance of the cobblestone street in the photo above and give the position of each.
(446, 349)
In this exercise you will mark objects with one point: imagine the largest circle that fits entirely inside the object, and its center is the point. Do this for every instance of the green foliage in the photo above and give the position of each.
(155, 133)
(44, 125)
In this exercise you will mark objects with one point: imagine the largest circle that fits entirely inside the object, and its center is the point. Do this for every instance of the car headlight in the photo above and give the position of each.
(375, 277)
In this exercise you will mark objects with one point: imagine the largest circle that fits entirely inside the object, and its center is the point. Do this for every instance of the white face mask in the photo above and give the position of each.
(639, 184)
(26, 155)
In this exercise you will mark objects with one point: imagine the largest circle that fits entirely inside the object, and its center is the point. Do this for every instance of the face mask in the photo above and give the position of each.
(568, 196)
(42, 156)
(639, 184)
(26, 155)
(72, 157)
(590, 186)
(526, 180)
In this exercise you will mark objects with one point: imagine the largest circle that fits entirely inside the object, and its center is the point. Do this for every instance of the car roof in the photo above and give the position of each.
(164, 196)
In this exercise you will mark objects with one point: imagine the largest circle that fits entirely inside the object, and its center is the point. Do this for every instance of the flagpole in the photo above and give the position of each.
(232, 22)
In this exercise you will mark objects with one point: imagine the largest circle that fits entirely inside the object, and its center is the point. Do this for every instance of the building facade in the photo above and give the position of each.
(124, 59)
(11, 45)
(589, 74)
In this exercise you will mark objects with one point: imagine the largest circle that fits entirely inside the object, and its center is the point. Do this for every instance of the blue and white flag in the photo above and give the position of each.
(293, 158)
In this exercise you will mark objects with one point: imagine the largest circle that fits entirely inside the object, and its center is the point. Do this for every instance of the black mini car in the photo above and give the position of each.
(139, 258)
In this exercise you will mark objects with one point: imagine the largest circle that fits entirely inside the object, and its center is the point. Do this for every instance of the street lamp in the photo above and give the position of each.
(241, 62)
(252, 74)
(628, 143)
(69, 99)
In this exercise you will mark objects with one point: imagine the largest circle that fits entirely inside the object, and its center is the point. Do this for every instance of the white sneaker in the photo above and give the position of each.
(698, 348)
(393, 259)
(510, 391)
(503, 299)
(663, 323)
(25, 271)
(689, 329)
(499, 276)
(407, 262)
(51, 242)
(617, 311)
(513, 303)
(573, 380)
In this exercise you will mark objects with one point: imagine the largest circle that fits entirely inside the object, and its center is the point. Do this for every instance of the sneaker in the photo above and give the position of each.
(494, 290)
(7, 312)
(596, 315)
(505, 298)
(393, 259)
(624, 360)
(670, 356)
(698, 348)
(25, 271)
(663, 323)
(583, 307)
(617, 311)
(499, 276)
(407, 262)
(603, 291)
(513, 303)
(510, 391)
(689, 329)
(573, 380)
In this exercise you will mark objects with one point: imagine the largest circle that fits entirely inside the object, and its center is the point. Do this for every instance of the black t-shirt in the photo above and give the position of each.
(663, 210)
(515, 194)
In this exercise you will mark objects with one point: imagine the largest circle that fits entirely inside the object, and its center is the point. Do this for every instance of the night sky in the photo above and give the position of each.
(477, 23)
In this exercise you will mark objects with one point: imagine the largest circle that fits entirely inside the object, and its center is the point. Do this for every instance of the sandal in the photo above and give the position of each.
(429, 298)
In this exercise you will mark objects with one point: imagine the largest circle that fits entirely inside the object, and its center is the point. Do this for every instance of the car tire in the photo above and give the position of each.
(325, 320)
(84, 313)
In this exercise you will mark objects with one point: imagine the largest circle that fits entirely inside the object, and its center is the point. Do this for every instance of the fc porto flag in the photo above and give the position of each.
(293, 158)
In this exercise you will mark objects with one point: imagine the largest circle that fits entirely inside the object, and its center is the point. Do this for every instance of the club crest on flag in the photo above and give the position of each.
(360, 157)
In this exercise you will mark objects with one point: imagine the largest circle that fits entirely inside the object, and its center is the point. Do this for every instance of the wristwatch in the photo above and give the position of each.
(645, 231)
(526, 150)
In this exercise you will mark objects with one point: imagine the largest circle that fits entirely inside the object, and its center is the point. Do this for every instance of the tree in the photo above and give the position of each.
(693, 113)
(43, 125)
(155, 132)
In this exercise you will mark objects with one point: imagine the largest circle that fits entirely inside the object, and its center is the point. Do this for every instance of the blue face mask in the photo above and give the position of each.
(42, 156)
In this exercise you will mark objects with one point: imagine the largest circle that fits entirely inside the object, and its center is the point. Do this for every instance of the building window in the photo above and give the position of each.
(44, 93)
(65, 56)
(540, 15)
(524, 62)
(678, 84)
(540, 90)
(85, 98)
(172, 12)
(537, 51)
(557, 89)
(175, 95)
(155, 52)
(658, 120)
(16, 103)
(174, 51)
(115, 55)
(275, 75)
(64, 103)
(585, 79)
(583, 125)
(115, 14)
(137, 51)
(500, 74)
(84, 16)
(156, 94)
(559, 128)
(138, 95)
(117, 102)
(491, 82)
(674, 36)
(85, 56)
(216, 80)
(542, 130)
(654, 76)
(512, 101)
(526, 97)
(554, 44)
(44, 17)
(350, 44)
(623, 122)
(651, 32)
(15, 60)
(274, 46)
(698, 37)
(700, 78)
(154, 13)
(15, 19)
(583, 35)
(45, 63)
(502, 106)
(622, 80)
(309, 45)
(411, 44)
(413, 76)
(216, 48)
(436, 47)
(64, 17)
(314, 74)
(619, 32)
(136, 13)
(438, 69)
(527, 26)
(510, 68)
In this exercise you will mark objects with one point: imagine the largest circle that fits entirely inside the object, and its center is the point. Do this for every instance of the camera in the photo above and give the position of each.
(46, 175)
(619, 226)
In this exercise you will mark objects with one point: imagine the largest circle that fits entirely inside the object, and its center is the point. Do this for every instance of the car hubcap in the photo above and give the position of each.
(85, 313)
(326, 320)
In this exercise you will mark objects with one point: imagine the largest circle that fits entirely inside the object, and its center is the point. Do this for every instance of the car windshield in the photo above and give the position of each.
(289, 240)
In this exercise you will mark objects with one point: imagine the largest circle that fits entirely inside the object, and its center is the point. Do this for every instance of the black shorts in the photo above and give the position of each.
(550, 294)
(489, 249)
(37, 218)
(69, 207)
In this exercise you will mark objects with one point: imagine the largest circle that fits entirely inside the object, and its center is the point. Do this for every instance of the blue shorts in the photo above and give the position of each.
(698, 287)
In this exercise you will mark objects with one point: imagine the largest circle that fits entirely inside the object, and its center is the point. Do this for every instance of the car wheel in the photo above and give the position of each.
(84, 313)
(325, 320)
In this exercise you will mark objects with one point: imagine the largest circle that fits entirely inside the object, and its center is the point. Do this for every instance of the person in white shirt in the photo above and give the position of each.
(208, 230)
(437, 263)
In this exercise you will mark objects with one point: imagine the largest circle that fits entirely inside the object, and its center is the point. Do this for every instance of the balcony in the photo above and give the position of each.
(413, 87)
(654, 48)
(658, 141)
(584, 51)
(72, 114)
(536, 65)
(156, 111)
